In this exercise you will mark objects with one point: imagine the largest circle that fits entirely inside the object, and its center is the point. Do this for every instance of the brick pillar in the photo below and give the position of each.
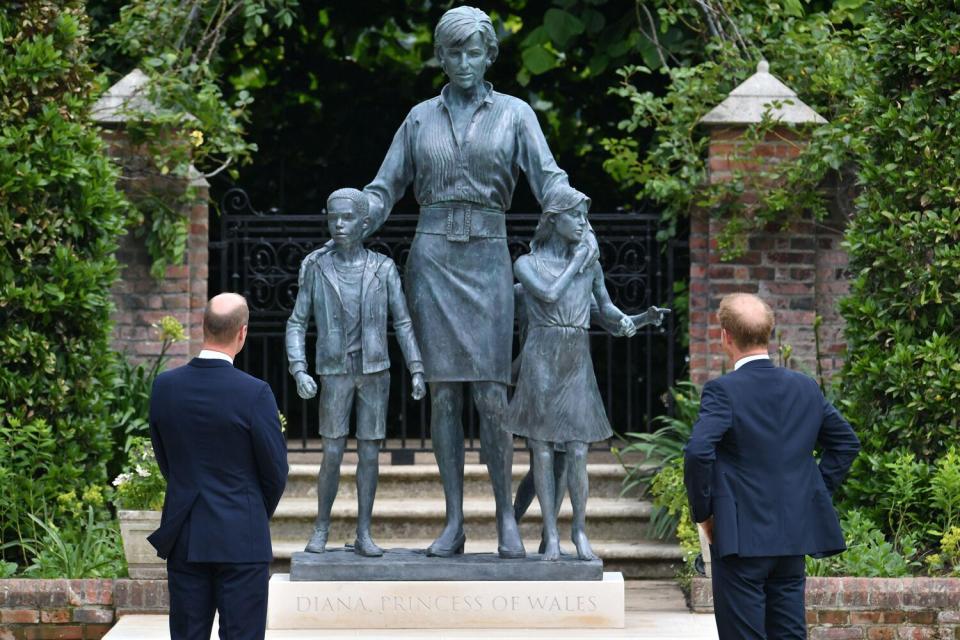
(142, 300)
(799, 271)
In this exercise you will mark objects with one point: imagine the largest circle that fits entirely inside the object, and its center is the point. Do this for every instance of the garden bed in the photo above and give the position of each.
(870, 608)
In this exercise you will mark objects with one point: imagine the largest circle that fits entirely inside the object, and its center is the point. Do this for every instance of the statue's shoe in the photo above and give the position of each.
(510, 543)
(440, 550)
(365, 547)
(318, 541)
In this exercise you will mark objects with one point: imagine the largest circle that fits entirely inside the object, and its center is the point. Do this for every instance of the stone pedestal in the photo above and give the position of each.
(446, 604)
(414, 565)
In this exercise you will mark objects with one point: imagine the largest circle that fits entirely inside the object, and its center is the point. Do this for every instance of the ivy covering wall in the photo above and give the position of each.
(901, 383)
(60, 217)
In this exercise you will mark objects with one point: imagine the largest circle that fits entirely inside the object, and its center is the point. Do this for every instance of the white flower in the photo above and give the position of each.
(120, 479)
(143, 473)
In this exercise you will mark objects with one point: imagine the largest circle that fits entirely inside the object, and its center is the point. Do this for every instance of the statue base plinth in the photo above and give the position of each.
(409, 565)
(446, 604)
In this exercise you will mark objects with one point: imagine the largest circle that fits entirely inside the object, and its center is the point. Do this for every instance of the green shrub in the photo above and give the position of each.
(868, 553)
(901, 381)
(948, 560)
(670, 497)
(132, 384)
(59, 221)
(659, 450)
(91, 548)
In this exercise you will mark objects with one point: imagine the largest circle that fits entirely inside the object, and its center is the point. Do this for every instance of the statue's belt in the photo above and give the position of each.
(460, 223)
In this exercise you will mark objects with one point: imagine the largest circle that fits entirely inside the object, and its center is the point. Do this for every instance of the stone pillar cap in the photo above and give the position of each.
(127, 100)
(754, 97)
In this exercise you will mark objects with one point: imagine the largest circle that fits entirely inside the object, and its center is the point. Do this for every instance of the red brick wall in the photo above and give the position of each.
(74, 609)
(799, 271)
(140, 299)
(870, 608)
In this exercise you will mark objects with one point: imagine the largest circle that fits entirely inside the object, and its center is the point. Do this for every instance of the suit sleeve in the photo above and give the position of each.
(158, 451)
(269, 448)
(838, 444)
(402, 324)
(716, 417)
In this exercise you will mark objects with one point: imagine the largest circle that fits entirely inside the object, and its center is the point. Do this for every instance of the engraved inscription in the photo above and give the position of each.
(418, 604)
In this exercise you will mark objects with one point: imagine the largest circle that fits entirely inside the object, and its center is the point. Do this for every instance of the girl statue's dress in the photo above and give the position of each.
(556, 397)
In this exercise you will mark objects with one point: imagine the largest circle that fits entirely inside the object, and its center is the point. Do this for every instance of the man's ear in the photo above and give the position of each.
(366, 222)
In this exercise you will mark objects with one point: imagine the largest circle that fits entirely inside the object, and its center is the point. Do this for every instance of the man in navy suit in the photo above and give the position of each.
(217, 437)
(754, 484)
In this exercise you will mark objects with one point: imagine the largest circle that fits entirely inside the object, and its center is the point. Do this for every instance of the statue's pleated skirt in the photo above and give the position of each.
(460, 296)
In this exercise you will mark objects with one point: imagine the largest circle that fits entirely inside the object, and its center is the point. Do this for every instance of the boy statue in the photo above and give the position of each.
(348, 291)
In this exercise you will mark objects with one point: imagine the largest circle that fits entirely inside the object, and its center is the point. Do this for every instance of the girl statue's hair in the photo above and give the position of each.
(559, 200)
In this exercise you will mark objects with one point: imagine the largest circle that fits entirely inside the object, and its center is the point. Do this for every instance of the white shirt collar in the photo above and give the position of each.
(210, 354)
(744, 360)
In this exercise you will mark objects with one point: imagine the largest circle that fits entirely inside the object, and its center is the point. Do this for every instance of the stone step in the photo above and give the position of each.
(423, 481)
(640, 560)
(607, 518)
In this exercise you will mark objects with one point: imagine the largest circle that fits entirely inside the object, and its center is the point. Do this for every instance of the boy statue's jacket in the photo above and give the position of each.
(320, 293)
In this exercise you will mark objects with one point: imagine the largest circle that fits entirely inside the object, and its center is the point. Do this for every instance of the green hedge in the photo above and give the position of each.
(901, 381)
(60, 217)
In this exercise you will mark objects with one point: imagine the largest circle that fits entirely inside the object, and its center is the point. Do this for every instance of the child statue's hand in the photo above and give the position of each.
(580, 254)
(419, 386)
(626, 328)
(306, 385)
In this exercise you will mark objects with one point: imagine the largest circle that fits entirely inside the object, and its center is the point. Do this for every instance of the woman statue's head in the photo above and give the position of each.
(465, 44)
(564, 215)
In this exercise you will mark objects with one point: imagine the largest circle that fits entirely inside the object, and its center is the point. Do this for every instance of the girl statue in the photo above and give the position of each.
(557, 401)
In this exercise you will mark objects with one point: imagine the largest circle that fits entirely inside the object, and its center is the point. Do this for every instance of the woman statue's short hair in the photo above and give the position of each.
(458, 24)
(360, 204)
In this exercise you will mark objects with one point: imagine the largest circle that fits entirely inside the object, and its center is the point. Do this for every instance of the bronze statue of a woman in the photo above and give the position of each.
(463, 151)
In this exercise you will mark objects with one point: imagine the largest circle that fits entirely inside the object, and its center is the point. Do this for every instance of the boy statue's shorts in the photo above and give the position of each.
(337, 394)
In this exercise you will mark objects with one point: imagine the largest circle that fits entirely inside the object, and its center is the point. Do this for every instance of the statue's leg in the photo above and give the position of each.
(579, 488)
(526, 492)
(559, 478)
(328, 481)
(546, 493)
(490, 399)
(446, 431)
(368, 471)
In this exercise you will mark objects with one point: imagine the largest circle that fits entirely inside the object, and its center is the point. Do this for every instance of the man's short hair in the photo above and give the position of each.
(747, 330)
(361, 206)
(222, 328)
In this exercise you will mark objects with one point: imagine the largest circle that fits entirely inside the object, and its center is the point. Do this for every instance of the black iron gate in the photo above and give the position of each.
(258, 254)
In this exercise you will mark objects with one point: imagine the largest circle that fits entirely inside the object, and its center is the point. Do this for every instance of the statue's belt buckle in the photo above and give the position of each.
(458, 224)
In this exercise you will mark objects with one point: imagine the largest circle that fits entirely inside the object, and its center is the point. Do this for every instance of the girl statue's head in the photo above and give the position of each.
(465, 43)
(564, 215)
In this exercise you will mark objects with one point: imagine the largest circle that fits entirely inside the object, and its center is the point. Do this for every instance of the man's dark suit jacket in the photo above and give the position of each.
(217, 437)
(750, 463)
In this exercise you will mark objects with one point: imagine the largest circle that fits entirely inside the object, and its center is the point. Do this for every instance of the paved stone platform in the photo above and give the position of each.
(343, 565)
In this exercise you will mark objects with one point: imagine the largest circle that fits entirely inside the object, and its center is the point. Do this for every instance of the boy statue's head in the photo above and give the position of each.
(347, 216)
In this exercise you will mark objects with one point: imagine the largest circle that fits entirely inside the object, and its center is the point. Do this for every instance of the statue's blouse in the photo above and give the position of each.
(502, 138)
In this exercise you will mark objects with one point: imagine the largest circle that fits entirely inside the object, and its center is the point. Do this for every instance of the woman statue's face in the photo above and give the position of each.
(466, 62)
